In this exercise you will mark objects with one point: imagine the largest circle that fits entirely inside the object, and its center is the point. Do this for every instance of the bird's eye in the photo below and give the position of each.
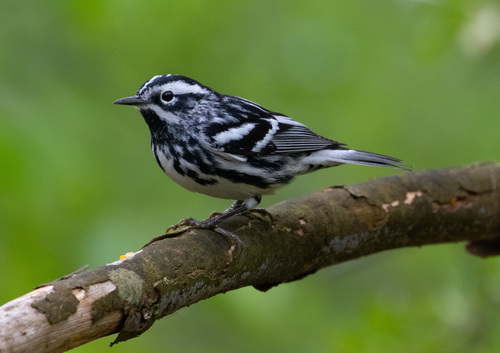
(167, 96)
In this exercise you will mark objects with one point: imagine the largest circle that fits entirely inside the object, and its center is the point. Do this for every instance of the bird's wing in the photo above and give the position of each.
(247, 129)
(293, 136)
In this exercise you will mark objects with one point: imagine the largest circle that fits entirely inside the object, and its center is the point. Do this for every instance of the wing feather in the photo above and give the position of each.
(257, 131)
(293, 137)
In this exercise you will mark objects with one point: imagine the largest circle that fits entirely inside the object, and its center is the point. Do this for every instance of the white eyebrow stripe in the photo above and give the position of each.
(180, 87)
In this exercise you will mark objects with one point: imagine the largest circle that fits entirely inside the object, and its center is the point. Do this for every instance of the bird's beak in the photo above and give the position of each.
(134, 100)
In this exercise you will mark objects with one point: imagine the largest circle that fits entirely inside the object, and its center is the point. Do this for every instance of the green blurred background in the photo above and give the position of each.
(419, 80)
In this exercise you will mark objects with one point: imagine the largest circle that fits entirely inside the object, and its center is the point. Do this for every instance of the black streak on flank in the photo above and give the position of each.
(193, 175)
(238, 177)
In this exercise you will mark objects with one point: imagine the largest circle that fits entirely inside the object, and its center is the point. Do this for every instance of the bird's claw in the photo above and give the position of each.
(174, 230)
(210, 223)
(183, 225)
(214, 214)
(191, 223)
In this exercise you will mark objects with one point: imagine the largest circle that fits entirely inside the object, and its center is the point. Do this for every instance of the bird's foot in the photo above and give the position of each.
(173, 230)
(191, 223)
(183, 225)
(211, 223)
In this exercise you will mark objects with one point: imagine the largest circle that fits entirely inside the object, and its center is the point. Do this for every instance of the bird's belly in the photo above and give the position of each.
(221, 187)
(213, 185)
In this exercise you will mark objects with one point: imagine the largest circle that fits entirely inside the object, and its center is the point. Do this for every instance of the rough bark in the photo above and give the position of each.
(333, 225)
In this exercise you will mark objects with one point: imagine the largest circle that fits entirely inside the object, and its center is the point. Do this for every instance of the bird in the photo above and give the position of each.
(230, 147)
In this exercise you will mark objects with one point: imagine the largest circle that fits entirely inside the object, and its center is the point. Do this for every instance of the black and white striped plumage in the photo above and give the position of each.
(232, 148)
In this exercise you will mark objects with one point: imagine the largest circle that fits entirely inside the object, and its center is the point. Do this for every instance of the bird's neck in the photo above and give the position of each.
(159, 129)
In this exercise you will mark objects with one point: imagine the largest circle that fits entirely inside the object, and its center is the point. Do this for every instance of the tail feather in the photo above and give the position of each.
(375, 159)
(332, 157)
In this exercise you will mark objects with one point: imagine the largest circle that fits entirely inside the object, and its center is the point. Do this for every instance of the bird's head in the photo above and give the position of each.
(170, 98)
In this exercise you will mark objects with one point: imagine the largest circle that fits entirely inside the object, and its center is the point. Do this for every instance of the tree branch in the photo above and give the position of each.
(328, 227)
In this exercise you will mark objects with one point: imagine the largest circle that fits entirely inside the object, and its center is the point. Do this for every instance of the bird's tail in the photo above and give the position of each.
(333, 157)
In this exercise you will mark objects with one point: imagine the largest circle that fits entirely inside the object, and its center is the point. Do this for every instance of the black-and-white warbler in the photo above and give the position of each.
(230, 147)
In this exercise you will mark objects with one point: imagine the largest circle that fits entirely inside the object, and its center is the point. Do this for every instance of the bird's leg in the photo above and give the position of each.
(235, 204)
(261, 211)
